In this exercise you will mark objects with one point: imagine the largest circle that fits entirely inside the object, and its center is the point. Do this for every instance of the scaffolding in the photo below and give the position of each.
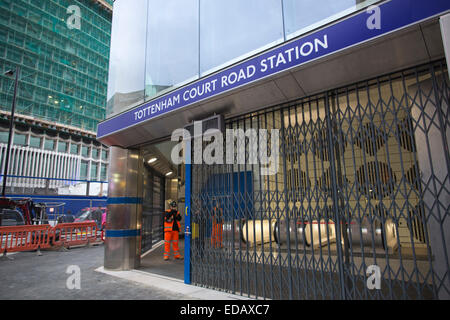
(64, 70)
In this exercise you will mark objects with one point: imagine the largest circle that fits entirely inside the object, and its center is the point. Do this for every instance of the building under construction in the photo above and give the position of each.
(61, 49)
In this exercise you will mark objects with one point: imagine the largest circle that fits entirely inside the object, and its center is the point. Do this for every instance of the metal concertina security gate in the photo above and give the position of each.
(362, 185)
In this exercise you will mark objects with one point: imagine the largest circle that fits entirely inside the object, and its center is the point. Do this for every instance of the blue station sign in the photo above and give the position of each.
(357, 29)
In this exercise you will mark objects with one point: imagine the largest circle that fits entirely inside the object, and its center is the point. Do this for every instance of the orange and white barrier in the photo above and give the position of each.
(34, 237)
(26, 238)
(78, 233)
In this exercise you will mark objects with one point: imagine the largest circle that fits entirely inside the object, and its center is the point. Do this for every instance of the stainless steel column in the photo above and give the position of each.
(124, 219)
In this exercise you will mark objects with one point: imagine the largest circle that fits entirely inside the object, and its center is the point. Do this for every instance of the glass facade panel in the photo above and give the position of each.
(103, 172)
(74, 148)
(62, 146)
(234, 29)
(127, 58)
(172, 44)
(303, 16)
(20, 139)
(4, 136)
(104, 155)
(84, 170)
(49, 144)
(35, 142)
(85, 151)
(94, 153)
(94, 170)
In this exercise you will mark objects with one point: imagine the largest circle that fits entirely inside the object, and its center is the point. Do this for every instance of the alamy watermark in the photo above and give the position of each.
(251, 147)
(74, 20)
(74, 280)
(374, 21)
(374, 277)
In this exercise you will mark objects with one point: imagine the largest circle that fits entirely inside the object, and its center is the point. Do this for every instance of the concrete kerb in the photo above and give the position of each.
(171, 284)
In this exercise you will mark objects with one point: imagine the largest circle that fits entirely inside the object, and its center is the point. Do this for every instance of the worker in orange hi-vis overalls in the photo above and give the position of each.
(217, 226)
(172, 228)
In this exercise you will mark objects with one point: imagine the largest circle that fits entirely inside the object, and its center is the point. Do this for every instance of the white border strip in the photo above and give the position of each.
(156, 246)
(172, 285)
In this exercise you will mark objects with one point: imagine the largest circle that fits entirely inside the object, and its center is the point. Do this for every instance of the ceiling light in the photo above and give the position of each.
(169, 173)
(152, 160)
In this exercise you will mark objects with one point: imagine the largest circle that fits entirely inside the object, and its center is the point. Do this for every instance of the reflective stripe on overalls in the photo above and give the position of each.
(171, 237)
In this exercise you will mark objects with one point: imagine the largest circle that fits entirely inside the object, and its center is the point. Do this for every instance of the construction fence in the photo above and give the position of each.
(36, 237)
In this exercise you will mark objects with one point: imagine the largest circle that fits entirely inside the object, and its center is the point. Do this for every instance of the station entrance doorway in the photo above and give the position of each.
(163, 182)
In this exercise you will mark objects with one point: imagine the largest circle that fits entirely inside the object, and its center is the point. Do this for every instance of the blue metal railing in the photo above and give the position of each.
(73, 193)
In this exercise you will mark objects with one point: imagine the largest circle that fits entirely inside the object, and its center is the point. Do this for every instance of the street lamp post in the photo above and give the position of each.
(11, 125)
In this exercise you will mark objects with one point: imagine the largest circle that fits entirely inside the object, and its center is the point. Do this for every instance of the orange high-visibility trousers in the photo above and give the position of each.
(171, 238)
(216, 234)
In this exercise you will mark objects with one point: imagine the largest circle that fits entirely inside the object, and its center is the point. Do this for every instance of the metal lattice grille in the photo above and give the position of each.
(362, 181)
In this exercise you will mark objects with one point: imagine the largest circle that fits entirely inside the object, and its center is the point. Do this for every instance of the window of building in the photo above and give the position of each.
(62, 146)
(20, 139)
(49, 144)
(95, 153)
(4, 136)
(84, 170)
(35, 142)
(105, 155)
(85, 151)
(94, 170)
(74, 148)
(103, 172)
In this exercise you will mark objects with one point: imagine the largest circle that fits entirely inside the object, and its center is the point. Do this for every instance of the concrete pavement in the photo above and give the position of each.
(30, 277)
